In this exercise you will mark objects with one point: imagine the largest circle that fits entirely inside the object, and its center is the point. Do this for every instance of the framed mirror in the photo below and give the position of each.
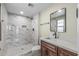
(58, 21)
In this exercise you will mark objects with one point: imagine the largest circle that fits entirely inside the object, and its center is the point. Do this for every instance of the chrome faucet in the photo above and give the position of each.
(55, 34)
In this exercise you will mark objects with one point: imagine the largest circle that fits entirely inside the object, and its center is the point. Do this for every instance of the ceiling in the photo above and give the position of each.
(15, 8)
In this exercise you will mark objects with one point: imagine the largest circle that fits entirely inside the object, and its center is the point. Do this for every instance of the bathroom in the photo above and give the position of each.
(27, 29)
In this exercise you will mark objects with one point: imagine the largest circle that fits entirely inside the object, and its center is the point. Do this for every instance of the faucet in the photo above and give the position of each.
(55, 34)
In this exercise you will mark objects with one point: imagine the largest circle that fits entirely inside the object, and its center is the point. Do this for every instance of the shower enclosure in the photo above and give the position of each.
(19, 35)
(16, 35)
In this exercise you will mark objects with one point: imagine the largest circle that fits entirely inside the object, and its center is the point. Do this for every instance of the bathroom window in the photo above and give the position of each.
(60, 25)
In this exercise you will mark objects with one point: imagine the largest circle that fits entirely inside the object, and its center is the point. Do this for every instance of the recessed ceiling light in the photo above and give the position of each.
(21, 12)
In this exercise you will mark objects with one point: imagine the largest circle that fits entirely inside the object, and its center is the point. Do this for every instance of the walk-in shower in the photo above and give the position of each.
(19, 35)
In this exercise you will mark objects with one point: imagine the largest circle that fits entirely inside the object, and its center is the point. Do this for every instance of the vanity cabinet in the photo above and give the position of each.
(48, 49)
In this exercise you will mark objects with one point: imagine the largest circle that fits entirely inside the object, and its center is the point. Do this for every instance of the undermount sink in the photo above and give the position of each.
(48, 38)
(45, 38)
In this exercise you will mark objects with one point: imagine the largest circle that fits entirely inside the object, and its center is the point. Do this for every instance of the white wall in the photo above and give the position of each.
(4, 18)
(78, 29)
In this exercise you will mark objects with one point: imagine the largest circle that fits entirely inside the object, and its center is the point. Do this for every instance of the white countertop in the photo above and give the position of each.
(61, 43)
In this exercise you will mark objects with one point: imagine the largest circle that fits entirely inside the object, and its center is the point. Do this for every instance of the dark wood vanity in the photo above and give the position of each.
(48, 49)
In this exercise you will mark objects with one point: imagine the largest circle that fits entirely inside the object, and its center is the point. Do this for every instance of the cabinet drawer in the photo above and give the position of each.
(63, 52)
(49, 46)
(51, 52)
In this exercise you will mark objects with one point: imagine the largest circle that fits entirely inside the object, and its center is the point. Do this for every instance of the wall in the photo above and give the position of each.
(20, 35)
(78, 29)
(71, 23)
(4, 18)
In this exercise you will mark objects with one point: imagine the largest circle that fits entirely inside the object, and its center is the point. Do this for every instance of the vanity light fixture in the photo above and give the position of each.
(21, 12)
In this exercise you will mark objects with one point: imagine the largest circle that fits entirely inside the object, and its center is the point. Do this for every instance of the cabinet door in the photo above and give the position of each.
(43, 51)
(51, 53)
(63, 52)
(48, 49)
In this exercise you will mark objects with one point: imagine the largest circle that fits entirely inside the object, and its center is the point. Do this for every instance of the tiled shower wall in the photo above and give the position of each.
(35, 24)
(19, 30)
(4, 19)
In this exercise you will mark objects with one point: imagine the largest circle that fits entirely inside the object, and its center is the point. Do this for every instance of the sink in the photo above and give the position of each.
(48, 38)
(45, 38)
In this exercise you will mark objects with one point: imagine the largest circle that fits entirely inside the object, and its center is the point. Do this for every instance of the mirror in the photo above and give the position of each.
(58, 21)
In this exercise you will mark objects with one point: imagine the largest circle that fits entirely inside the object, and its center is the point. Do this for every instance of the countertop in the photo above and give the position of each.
(61, 43)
